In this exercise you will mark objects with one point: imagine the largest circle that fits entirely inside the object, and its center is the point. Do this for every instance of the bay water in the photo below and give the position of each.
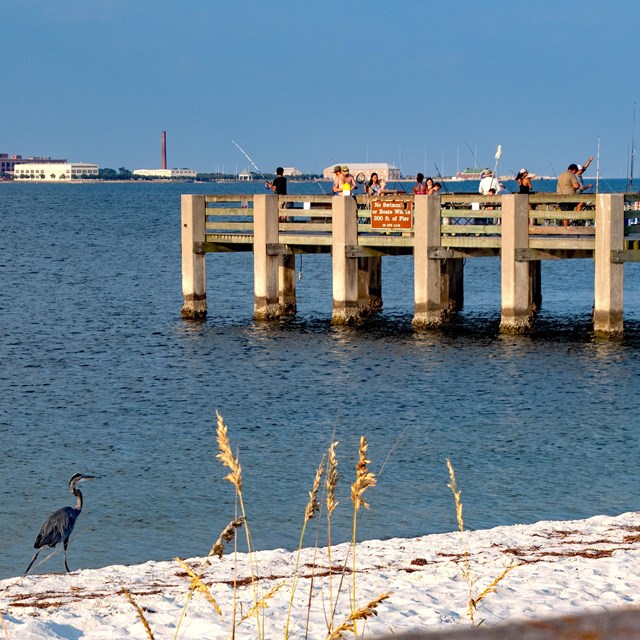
(100, 375)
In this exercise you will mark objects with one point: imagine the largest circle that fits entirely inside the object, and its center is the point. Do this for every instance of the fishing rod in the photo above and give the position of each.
(244, 153)
(598, 165)
(442, 182)
(475, 159)
(633, 148)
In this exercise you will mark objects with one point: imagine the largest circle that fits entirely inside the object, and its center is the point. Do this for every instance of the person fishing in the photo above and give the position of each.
(279, 186)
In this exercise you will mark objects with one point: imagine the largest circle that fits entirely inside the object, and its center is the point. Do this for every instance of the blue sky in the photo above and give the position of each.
(309, 84)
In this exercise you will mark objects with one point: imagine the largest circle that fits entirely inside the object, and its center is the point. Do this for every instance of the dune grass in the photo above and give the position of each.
(473, 601)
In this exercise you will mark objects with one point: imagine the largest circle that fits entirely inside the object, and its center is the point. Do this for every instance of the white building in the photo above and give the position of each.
(167, 174)
(54, 171)
(385, 171)
(293, 172)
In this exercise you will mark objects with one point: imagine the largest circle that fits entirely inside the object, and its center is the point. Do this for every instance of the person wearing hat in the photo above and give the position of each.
(344, 183)
(583, 187)
(524, 182)
(568, 184)
(488, 182)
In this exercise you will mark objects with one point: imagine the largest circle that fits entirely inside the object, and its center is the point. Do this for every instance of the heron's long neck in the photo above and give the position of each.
(78, 494)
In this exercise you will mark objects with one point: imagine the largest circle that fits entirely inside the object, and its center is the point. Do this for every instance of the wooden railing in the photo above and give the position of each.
(469, 221)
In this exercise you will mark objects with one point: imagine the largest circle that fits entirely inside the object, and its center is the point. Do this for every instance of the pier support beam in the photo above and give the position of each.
(194, 280)
(370, 285)
(516, 277)
(609, 276)
(287, 285)
(266, 267)
(431, 296)
(346, 307)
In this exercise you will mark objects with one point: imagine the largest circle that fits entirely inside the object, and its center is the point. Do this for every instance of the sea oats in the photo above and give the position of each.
(226, 456)
(364, 477)
(363, 613)
(196, 583)
(226, 536)
(313, 506)
(135, 605)
(331, 481)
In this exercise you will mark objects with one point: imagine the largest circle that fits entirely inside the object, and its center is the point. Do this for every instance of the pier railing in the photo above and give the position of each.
(439, 231)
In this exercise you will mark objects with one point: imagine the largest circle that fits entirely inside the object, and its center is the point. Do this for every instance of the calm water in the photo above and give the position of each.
(99, 374)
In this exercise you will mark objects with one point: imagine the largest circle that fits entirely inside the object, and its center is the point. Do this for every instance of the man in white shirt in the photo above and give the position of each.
(488, 182)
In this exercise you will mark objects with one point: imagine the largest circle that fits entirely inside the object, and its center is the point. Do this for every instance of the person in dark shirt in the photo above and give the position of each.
(279, 183)
(279, 186)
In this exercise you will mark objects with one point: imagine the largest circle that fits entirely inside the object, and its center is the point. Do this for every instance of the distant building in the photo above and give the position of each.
(8, 162)
(292, 172)
(245, 175)
(385, 171)
(470, 173)
(167, 174)
(53, 171)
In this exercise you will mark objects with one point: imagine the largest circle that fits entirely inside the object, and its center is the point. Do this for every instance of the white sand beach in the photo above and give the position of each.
(559, 567)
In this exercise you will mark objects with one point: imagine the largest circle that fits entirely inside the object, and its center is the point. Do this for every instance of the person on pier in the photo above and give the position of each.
(279, 186)
(375, 186)
(344, 183)
(420, 188)
(488, 182)
(583, 187)
(524, 182)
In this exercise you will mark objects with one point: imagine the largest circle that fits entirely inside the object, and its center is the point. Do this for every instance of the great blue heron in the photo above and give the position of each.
(59, 525)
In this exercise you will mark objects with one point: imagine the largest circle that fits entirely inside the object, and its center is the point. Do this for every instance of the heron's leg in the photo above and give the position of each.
(35, 555)
(66, 544)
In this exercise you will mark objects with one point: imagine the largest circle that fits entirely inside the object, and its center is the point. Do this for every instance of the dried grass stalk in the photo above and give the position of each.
(135, 605)
(263, 603)
(4, 626)
(331, 481)
(196, 583)
(313, 506)
(227, 535)
(368, 611)
(466, 566)
(492, 587)
(226, 456)
(364, 477)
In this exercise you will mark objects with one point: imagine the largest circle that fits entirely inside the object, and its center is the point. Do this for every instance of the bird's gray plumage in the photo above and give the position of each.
(59, 525)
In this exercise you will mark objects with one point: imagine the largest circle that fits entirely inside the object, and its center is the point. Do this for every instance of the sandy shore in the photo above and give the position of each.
(556, 568)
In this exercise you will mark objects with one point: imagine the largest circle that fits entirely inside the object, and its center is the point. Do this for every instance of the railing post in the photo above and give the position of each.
(429, 312)
(609, 276)
(265, 266)
(346, 309)
(194, 280)
(517, 289)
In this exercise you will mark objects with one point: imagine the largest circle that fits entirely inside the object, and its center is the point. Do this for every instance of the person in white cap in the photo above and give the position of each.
(583, 187)
(524, 182)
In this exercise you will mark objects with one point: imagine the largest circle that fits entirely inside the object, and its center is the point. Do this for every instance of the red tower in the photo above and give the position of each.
(164, 149)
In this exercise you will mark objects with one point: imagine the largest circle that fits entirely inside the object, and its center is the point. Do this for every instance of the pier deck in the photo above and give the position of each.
(439, 231)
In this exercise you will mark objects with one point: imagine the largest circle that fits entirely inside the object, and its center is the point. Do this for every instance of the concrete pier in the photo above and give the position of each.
(516, 278)
(438, 279)
(446, 232)
(194, 280)
(609, 275)
(346, 302)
